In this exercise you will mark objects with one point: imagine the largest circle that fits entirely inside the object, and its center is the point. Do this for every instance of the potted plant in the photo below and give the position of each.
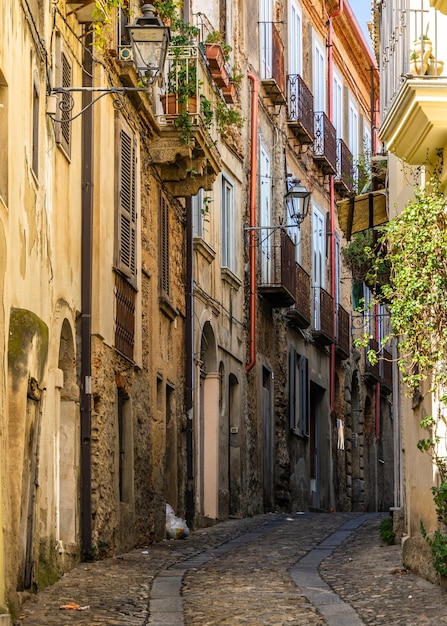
(418, 66)
(230, 92)
(217, 52)
(423, 47)
(181, 81)
(167, 10)
(435, 66)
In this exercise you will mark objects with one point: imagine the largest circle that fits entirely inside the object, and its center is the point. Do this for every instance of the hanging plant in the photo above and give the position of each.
(102, 17)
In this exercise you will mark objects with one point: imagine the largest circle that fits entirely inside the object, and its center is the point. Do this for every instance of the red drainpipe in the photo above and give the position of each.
(332, 206)
(252, 218)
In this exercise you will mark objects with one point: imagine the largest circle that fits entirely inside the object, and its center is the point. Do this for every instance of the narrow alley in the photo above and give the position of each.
(273, 569)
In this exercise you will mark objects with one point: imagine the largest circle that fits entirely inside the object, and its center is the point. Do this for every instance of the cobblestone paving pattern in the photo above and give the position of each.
(370, 577)
(248, 584)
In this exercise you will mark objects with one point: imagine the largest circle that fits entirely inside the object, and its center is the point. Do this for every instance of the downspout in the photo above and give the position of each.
(189, 374)
(332, 209)
(252, 220)
(86, 299)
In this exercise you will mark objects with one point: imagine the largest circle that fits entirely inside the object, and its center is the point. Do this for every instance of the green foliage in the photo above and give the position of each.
(226, 117)
(217, 37)
(438, 541)
(167, 9)
(416, 249)
(386, 531)
(438, 547)
(102, 16)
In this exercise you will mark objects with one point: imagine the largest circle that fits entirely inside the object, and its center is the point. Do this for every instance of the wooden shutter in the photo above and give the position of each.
(64, 73)
(127, 218)
(292, 383)
(303, 396)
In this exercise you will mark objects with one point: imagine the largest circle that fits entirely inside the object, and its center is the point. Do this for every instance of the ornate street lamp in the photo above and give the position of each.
(149, 39)
(297, 200)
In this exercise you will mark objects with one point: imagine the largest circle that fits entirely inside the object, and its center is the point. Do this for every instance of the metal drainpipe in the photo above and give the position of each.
(189, 375)
(332, 209)
(86, 300)
(252, 220)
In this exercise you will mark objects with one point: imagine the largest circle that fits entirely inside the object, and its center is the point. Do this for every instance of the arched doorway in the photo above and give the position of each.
(69, 436)
(208, 431)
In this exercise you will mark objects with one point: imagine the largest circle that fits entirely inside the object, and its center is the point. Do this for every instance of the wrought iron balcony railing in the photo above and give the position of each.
(299, 314)
(372, 371)
(386, 372)
(343, 332)
(344, 177)
(300, 108)
(323, 316)
(325, 143)
(273, 77)
(277, 271)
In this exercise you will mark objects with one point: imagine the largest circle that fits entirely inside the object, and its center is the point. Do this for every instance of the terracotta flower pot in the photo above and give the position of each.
(172, 106)
(214, 55)
(229, 93)
(221, 77)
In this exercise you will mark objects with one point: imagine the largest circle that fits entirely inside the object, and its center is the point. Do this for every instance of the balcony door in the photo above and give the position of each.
(265, 37)
(295, 39)
(318, 261)
(266, 246)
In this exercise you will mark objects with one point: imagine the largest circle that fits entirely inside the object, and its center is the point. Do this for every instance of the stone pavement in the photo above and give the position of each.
(270, 570)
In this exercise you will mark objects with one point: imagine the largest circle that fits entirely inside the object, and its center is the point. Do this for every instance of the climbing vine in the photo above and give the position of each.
(414, 245)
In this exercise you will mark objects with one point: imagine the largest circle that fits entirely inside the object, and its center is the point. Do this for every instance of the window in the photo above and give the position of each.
(367, 147)
(318, 249)
(337, 105)
(126, 200)
(354, 132)
(126, 240)
(228, 230)
(298, 393)
(125, 443)
(198, 214)
(295, 39)
(337, 268)
(265, 37)
(165, 278)
(319, 76)
(318, 262)
(265, 217)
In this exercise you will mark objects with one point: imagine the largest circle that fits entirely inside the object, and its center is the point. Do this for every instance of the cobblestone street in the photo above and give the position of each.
(298, 569)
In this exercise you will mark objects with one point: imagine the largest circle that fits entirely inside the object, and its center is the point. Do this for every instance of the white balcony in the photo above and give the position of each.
(413, 61)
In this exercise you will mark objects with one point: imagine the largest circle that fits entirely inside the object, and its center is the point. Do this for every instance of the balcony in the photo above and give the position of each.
(372, 372)
(325, 144)
(323, 317)
(414, 82)
(300, 109)
(386, 372)
(277, 272)
(185, 152)
(299, 314)
(274, 86)
(342, 335)
(344, 177)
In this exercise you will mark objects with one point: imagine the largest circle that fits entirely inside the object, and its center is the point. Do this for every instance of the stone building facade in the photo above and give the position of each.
(171, 333)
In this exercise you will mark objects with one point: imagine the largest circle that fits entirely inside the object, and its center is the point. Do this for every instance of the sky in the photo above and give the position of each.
(362, 11)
